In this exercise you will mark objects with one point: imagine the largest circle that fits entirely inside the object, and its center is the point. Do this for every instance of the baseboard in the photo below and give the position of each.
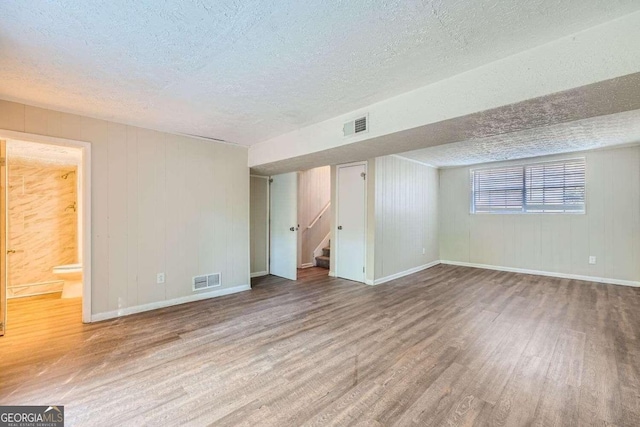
(402, 273)
(162, 304)
(307, 265)
(259, 274)
(547, 273)
(332, 273)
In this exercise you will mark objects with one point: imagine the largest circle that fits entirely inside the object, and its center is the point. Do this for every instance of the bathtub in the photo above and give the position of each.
(72, 276)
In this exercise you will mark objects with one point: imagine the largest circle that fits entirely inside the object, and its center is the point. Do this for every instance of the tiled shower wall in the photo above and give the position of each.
(42, 223)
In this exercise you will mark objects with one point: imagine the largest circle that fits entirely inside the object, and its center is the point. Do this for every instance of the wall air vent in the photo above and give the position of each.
(357, 126)
(206, 281)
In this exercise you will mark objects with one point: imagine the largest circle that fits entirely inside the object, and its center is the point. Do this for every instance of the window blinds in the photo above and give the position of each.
(553, 187)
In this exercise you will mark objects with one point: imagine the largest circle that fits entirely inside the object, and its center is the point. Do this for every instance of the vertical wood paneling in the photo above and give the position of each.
(175, 271)
(160, 203)
(560, 243)
(96, 132)
(117, 215)
(406, 199)
(132, 216)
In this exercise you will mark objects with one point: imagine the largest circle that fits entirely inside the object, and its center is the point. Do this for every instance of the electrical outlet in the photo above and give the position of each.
(160, 278)
(592, 259)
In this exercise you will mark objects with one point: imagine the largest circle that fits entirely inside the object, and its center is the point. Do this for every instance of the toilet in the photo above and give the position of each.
(72, 276)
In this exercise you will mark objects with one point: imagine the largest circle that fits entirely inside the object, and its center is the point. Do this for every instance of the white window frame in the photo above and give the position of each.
(524, 211)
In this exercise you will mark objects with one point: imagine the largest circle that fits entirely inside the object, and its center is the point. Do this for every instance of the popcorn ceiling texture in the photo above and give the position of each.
(245, 71)
(598, 132)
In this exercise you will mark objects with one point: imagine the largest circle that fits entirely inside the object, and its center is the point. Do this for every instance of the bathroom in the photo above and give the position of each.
(44, 240)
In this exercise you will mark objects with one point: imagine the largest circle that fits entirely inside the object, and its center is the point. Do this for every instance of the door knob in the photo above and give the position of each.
(11, 251)
(292, 229)
(339, 227)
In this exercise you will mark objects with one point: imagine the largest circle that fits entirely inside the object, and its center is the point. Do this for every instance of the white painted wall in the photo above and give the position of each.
(259, 228)
(406, 217)
(160, 203)
(555, 243)
(599, 53)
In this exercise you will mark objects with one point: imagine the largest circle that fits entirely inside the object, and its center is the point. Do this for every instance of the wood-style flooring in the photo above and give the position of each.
(446, 346)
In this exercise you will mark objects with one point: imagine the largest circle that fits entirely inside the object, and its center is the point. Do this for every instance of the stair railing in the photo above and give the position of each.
(317, 218)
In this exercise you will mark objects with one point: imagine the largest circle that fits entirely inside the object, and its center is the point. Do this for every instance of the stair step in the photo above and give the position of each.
(322, 261)
(326, 251)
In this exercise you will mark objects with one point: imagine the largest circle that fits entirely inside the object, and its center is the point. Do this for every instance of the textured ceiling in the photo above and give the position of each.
(245, 71)
(52, 154)
(587, 134)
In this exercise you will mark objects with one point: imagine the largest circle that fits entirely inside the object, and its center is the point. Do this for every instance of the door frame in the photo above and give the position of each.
(268, 263)
(337, 216)
(85, 172)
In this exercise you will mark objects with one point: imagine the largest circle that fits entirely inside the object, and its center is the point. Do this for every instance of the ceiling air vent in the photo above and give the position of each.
(354, 127)
(206, 281)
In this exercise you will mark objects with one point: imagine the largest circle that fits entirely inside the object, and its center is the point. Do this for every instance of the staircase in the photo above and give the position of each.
(323, 260)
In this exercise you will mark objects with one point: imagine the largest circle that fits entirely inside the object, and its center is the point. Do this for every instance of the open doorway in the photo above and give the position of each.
(290, 222)
(314, 217)
(45, 240)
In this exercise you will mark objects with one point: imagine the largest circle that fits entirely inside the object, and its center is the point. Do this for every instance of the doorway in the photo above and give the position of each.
(350, 221)
(299, 221)
(45, 218)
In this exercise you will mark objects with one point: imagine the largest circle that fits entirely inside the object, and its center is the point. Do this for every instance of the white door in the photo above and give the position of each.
(351, 221)
(284, 226)
(3, 237)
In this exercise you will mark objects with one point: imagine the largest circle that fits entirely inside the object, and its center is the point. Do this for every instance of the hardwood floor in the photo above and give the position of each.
(447, 346)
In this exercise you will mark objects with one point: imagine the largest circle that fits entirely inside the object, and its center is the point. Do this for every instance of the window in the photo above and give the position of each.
(552, 187)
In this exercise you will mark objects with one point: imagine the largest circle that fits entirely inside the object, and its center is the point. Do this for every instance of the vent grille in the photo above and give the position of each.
(356, 126)
(206, 281)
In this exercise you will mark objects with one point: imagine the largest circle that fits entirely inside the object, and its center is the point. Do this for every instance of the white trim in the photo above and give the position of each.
(398, 156)
(403, 273)
(336, 248)
(259, 274)
(546, 273)
(332, 274)
(167, 303)
(85, 168)
(307, 265)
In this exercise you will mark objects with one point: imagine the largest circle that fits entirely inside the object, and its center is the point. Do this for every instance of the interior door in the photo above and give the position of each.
(351, 221)
(283, 244)
(3, 236)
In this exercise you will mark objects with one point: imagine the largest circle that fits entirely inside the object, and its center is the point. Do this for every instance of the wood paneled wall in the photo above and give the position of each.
(160, 203)
(406, 216)
(42, 220)
(555, 243)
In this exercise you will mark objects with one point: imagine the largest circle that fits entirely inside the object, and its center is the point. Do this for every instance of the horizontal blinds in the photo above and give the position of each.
(544, 187)
(555, 187)
(498, 189)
